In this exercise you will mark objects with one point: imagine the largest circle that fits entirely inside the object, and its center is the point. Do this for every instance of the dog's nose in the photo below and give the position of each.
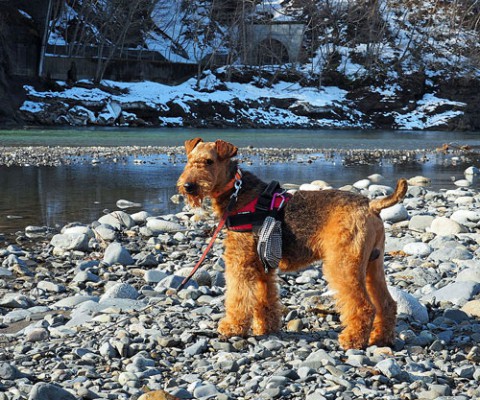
(190, 188)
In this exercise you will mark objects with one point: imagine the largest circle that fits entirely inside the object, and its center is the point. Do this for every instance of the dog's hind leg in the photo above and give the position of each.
(347, 279)
(383, 332)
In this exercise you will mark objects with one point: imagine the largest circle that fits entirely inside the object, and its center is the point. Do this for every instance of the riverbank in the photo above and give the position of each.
(93, 311)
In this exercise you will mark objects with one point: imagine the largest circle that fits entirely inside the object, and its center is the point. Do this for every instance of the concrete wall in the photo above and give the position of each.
(290, 35)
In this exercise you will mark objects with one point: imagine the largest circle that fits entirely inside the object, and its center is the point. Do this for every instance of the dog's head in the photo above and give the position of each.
(208, 169)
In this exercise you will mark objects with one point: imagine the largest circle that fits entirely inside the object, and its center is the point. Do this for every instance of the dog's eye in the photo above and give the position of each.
(209, 161)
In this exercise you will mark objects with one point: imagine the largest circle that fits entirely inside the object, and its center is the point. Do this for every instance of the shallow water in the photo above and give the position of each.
(324, 139)
(53, 196)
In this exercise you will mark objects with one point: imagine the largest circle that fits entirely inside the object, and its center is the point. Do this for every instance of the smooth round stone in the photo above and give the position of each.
(376, 178)
(201, 276)
(118, 220)
(15, 300)
(457, 293)
(420, 222)
(396, 213)
(106, 232)
(154, 276)
(321, 184)
(389, 368)
(409, 305)
(469, 274)
(9, 372)
(85, 276)
(70, 241)
(472, 308)
(140, 217)
(462, 183)
(444, 226)
(116, 254)
(206, 391)
(472, 171)
(158, 226)
(417, 249)
(125, 377)
(362, 184)
(466, 217)
(49, 391)
(419, 181)
(51, 287)
(120, 291)
(309, 187)
(78, 229)
(464, 201)
(37, 335)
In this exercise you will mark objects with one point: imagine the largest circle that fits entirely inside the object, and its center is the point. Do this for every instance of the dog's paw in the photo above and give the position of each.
(228, 329)
(352, 341)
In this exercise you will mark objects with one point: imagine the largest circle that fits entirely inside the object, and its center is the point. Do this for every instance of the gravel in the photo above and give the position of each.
(97, 316)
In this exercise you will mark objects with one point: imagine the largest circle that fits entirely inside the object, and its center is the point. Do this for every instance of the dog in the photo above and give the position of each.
(341, 228)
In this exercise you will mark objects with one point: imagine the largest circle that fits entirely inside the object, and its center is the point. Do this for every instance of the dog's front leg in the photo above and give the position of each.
(267, 313)
(242, 275)
(238, 301)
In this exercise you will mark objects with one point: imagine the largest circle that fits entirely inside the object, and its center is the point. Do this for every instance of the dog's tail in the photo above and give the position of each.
(377, 205)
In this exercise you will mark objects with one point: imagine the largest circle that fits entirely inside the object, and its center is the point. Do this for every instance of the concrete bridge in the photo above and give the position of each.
(274, 43)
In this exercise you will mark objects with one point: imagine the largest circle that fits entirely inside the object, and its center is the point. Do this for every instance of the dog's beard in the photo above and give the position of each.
(196, 200)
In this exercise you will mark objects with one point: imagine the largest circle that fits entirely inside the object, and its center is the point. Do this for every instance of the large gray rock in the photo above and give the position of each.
(158, 226)
(409, 305)
(396, 213)
(467, 218)
(49, 391)
(120, 291)
(70, 241)
(450, 253)
(118, 219)
(105, 232)
(116, 254)
(419, 249)
(469, 274)
(420, 222)
(457, 293)
(444, 226)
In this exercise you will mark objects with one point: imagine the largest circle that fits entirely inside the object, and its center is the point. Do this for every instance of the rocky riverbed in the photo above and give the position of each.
(91, 312)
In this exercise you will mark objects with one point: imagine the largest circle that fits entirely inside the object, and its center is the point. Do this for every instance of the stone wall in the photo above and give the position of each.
(262, 37)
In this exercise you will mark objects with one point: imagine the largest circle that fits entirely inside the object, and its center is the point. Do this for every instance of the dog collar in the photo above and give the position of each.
(229, 186)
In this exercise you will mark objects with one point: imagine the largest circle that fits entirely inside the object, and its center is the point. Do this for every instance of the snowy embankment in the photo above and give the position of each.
(213, 103)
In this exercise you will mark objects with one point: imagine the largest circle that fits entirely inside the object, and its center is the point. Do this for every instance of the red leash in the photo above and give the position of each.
(233, 198)
(202, 258)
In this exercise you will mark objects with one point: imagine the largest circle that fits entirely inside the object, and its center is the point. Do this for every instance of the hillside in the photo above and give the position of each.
(381, 64)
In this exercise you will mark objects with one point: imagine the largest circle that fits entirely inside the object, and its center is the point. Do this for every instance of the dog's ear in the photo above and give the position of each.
(190, 144)
(225, 150)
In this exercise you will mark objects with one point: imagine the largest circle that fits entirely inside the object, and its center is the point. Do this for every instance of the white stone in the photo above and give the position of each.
(309, 187)
(409, 305)
(396, 213)
(472, 171)
(444, 226)
(417, 249)
(419, 181)
(362, 184)
(466, 217)
(462, 183)
(376, 178)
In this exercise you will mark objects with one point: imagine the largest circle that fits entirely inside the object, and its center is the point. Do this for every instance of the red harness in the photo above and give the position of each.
(249, 215)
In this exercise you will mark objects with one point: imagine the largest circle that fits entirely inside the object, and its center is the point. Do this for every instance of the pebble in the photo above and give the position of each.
(104, 320)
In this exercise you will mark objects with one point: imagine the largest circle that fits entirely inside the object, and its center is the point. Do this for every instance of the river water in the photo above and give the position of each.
(54, 196)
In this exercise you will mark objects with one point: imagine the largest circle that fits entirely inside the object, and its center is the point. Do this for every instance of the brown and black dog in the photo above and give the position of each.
(340, 228)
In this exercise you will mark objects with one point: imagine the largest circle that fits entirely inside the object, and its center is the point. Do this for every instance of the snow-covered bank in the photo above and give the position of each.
(212, 102)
